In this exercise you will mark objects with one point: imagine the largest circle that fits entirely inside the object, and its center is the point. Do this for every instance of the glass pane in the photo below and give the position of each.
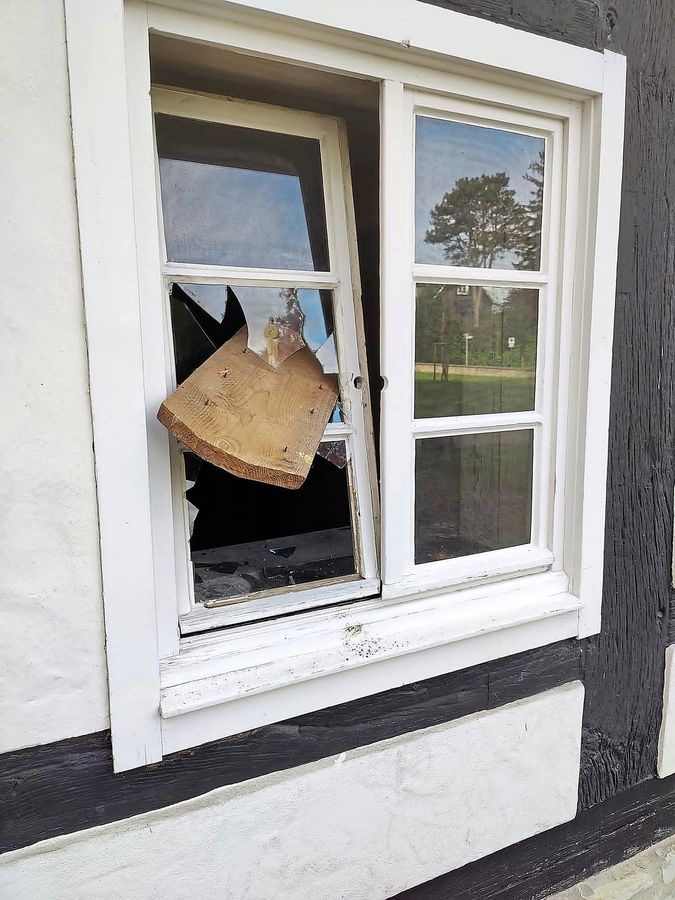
(478, 195)
(276, 539)
(473, 493)
(475, 349)
(240, 197)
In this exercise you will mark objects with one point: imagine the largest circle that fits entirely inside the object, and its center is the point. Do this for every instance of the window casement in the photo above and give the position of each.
(256, 219)
(499, 183)
(476, 374)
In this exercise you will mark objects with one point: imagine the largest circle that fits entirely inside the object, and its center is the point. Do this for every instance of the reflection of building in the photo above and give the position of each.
(490, 315)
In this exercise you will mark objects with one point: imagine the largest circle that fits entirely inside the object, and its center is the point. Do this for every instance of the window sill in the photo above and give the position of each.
(203, 618)
(230, 682)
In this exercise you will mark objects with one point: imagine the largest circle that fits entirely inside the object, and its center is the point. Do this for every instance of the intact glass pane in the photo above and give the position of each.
(475, 349)
(247, 537)
(473, 493)
(478, 195)
(236, 196)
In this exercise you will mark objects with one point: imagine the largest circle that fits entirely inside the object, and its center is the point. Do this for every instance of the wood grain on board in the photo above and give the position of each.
(256, 422)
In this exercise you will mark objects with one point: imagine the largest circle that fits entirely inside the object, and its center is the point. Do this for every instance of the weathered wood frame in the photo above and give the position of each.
(216, 684)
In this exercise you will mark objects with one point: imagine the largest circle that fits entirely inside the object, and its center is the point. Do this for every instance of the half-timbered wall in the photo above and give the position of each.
(55, 768)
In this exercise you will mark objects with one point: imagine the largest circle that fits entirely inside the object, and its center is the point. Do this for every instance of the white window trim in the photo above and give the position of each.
(167, 694)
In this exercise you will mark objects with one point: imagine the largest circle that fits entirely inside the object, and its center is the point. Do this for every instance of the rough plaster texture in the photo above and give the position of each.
(366, 824)
(666, 761)
(649, 875)
(52, 658)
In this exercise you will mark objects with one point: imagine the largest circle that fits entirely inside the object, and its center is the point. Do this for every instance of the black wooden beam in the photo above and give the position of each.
(580, 22)
(69, 785)
(624, 664)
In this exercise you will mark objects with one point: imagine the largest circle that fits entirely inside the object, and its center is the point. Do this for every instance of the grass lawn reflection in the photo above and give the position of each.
(466, 395)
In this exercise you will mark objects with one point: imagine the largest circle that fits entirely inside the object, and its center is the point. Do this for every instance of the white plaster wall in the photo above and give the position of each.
(52, 661)
(666, 761)
(360, 826)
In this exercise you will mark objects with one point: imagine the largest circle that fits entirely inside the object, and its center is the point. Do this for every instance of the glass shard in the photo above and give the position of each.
(478, 195)
(473, 493)
(192, 465)
(334, 452)
(236, 196)
(327, 356)
(475, 350)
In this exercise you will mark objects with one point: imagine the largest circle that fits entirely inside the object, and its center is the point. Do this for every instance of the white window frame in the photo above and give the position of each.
(167, 692)
(401, 575)
(341, 280)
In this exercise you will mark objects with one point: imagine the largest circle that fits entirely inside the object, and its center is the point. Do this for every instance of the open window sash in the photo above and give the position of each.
(227, 254)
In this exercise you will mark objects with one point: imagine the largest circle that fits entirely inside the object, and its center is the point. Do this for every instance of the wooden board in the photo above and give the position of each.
(241, 415)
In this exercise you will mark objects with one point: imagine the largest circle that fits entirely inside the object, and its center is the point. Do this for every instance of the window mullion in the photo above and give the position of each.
(476, 424)
(193, 274)
(397, 324)
(511, 278)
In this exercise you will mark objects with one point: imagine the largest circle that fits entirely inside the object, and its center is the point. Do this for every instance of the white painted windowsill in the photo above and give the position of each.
(228, 668)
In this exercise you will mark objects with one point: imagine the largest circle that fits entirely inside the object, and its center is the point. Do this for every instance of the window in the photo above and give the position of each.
(486, 194)
(256, 230)
(480, 372)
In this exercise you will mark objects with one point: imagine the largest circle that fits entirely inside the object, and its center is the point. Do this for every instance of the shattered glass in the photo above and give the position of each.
(334, 452)
(280, 321)
(192, 464)
(274, 320)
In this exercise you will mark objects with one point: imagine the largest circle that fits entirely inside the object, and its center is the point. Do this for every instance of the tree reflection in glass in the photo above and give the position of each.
(478, 195)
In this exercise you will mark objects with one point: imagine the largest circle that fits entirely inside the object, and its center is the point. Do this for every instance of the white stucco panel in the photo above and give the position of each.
(363, 825)
(52, 655)
(666, 762)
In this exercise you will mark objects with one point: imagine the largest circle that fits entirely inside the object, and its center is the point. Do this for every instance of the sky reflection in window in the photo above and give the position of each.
(478, 195)
(239, 197)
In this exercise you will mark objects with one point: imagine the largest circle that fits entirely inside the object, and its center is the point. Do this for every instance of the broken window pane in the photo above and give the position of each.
(235, 196)
(249, 537)
(473, 493)
(475, 349)
(478, 195)
(204, 316)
